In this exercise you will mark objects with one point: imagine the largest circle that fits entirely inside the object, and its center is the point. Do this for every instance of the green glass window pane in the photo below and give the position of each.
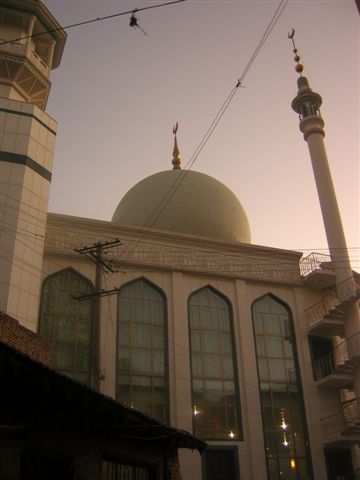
(63, 356)
(195, 341)
(140, 361)
(211, 342)
(212, 364)
(141, 335)
(47, 327)
(290, 371)
(229, 387)
(157, 313)
(274, 346)
(158, 337)
(124, 335)
(226, 343)
(288, 349)
(258, 324)
(124, 360)
(228, 367)
(195, 317)
(158, 363)
(82, 356)
(197, 365)
(272, 325)
(263, 369)
(65, 329)
(213, 380)
(146, 323)
(277, 370)
(260, 345)
(123, 380)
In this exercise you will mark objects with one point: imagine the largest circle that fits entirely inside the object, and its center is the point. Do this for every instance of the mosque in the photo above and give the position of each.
(169, 308)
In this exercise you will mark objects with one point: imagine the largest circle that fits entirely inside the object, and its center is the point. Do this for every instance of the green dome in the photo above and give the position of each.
(201, 206)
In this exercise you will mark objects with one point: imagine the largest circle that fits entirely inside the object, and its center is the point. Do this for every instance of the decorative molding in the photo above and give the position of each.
(27, 161)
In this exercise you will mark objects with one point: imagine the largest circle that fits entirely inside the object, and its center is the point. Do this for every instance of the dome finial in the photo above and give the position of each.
(299, 67)
(176, 159)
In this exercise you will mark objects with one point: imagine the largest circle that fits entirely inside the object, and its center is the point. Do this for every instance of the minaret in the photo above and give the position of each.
(31, 45)
(307, 104)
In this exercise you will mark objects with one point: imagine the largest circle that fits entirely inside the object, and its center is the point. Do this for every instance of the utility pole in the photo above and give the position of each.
(95, 254)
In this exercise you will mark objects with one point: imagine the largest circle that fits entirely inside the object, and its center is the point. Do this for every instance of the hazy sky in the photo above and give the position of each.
(118, 93)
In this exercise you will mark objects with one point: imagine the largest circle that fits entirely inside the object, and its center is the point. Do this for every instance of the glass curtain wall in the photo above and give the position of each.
(142, 349)
(66, 323)
(215, 397)
(283, 414)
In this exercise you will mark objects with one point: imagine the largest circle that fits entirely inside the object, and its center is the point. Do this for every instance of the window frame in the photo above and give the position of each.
(301, 403)
(166, 341)
(240, 435)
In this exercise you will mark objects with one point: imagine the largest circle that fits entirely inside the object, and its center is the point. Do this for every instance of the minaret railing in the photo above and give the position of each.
(333, 301)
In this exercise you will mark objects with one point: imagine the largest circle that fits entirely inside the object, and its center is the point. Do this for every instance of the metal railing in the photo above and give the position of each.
(347, 419)
(341, 293)
(314, 261)
(327, 364)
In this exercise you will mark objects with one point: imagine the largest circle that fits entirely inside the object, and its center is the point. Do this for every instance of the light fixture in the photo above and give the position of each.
(292, 463)
(232, 434)
(283, 425)
(196, 411)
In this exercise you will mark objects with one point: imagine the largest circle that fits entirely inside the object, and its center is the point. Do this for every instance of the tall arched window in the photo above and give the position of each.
(215, 396)
(66, 323)
(284, 423)
(142, 378)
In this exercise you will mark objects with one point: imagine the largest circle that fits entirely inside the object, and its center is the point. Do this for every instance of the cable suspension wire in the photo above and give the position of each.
(86, 22)
(141, 233)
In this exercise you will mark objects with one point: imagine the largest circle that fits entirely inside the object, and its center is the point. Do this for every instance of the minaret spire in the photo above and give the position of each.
(176, 159)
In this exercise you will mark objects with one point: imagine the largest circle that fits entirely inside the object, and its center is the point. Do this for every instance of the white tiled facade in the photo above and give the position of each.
(27, 144)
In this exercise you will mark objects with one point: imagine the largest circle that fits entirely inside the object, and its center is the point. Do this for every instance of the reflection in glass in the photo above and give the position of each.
(283, 413)
(214, 388)
(141, 352)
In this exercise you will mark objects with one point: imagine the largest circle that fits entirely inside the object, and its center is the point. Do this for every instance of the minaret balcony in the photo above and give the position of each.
(336, 369)
(327, 316)
(343, 428)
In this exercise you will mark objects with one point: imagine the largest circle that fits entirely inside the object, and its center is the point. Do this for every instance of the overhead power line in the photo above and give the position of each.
(86, 22)
(141, 233)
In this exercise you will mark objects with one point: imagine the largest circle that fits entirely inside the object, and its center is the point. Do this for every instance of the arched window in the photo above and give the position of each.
(142, 377)
(284, 423)
(66, 323)
(215, 397)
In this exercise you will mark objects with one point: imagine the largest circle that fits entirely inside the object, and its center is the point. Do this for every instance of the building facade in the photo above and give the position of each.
(169, 308)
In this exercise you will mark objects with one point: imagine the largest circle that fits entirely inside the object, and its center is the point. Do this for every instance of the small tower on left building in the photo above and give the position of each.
(31, 45)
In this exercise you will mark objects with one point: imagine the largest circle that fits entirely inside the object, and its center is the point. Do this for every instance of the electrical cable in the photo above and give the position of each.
(86, 22)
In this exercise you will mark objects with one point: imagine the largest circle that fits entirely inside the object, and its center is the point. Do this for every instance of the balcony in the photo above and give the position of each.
(316, 271)
(334, 370)
(343, 428)
(326, 317)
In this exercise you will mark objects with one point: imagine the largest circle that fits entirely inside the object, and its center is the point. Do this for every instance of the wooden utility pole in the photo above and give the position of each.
(95, 254)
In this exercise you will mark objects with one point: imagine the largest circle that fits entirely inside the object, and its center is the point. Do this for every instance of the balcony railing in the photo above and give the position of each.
(342, 359)
(312, 262)
(347, 420)
(336, 360)
(336, 298)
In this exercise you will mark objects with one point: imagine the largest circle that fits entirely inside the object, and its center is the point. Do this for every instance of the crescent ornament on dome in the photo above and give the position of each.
(291, 33)
(175, 129)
